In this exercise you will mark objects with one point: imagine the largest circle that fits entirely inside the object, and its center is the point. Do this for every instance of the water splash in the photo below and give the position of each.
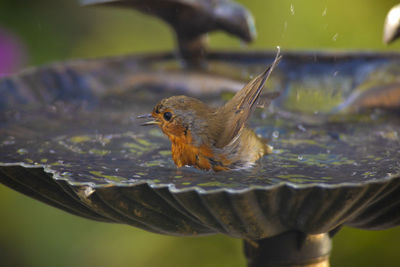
(324, 11)
(275, 134)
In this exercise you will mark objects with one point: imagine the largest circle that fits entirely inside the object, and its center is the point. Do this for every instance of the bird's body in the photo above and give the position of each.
(213, 138)
(196, 136)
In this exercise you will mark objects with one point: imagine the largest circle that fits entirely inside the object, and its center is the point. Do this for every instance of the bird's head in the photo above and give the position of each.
(179, 116)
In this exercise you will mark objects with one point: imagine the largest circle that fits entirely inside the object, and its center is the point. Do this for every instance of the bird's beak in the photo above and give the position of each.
(144, 116)
(147, 123)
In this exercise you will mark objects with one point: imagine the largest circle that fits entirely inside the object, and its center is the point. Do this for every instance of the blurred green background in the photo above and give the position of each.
(38, 32)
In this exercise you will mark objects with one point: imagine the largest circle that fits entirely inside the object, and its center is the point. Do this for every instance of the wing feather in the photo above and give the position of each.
(235, 113)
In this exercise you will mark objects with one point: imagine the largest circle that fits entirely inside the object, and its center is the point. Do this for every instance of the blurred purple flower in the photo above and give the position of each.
(12, 53)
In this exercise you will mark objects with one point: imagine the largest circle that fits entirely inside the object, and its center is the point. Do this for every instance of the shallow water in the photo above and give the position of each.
(105, 144)
(91, 135)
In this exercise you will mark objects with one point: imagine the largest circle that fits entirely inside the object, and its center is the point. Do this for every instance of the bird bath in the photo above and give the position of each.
(70, 138)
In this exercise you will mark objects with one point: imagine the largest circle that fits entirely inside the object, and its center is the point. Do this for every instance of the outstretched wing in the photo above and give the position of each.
(235, 113)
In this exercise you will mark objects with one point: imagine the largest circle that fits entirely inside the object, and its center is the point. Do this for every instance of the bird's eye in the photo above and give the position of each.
(167, 116)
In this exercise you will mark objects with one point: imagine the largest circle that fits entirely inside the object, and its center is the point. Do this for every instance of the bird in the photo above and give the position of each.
(214, 138)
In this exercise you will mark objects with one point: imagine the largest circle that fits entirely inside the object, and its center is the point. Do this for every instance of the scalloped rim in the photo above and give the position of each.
(171, 187)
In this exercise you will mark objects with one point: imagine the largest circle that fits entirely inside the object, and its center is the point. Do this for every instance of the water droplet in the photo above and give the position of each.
(8, 142)
(22, 151)
(284, 29)
(292, 9)
(264, 115)
(301, 128)
(275, 134)
(334, 38)
(324, 12)
(300, 157)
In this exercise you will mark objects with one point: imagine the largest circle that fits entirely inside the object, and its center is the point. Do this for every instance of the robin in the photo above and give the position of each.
(214, 138)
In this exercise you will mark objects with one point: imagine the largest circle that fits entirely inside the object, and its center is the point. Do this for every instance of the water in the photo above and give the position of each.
(324, 11)
(98, 140)
(292, 9)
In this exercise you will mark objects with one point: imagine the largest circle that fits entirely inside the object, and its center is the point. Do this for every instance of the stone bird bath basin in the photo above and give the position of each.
(69, 137)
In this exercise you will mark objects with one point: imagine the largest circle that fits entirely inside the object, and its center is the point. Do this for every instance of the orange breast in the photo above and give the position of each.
(201, 157)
